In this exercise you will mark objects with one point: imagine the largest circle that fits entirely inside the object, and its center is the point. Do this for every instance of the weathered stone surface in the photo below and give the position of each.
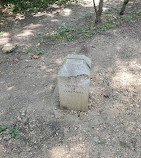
(8, 48)
(73, 82)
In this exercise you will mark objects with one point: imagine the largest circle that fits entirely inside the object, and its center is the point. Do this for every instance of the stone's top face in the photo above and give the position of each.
(75, 65)
(79, 57)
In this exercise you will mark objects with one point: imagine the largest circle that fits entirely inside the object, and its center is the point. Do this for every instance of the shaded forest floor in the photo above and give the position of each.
(28, 98)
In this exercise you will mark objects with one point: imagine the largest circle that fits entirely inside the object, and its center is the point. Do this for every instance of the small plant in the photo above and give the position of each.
(109, 26)
(63, 29)
(101, 28)
(84, 29)
(128, 18)
(39, 52)
(64, 32)
(42, 41)
(138, 12)
(15, 49)
(27, 50)
(14, 131)
(6, 58)
(91, 32)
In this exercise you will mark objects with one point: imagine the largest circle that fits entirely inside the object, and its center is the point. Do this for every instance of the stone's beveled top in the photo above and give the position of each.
(75, 65)
(79, 57)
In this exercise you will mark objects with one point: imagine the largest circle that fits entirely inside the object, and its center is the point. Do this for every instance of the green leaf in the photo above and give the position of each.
(101, 143)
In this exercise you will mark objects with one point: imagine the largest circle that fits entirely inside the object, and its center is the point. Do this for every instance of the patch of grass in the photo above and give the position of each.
(39, 51)
(101, 28)
(128, 18)
(138, 12)
(14, 131)
(27, 50)
(64, 32)
(84, 29)
(92, 32)
(109, 21)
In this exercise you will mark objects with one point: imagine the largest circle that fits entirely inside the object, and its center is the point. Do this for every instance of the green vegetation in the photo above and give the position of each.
(101, 143)
(64, 33)
(30, 5)
(67, 33)
(39, 52)
(11, 130)
(27, 50)
(14, 131)
(3, 128)
(111, 19)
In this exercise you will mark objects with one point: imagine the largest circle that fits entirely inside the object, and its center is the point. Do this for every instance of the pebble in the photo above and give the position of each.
(106, 93)
(52, 116)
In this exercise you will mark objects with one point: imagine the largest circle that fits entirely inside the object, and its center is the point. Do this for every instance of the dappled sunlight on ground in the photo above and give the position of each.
(4, 39)
(33, 26)
(124, 78)
(40, 14)
(127, 74)
(58, 152)
(25, 33)
(115, 109)
(76, 150)
(58, 61)
(54, 20)
(134, 64)
(66, 12)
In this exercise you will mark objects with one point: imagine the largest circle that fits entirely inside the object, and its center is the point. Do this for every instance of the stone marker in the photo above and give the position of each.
(73, 82)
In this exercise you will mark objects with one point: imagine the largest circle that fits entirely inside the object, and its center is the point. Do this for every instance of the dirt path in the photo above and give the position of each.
(112, 126)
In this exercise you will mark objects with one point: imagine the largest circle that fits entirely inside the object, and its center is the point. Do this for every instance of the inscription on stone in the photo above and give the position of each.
(73, 82)
(72, 89)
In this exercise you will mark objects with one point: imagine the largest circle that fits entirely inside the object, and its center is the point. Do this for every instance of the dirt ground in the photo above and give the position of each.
(28, 98)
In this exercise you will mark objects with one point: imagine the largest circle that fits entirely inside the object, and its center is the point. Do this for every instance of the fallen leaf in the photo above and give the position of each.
(35, 56)
(1, 23)
(6, 22)
(15, 60)
(31, 24)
